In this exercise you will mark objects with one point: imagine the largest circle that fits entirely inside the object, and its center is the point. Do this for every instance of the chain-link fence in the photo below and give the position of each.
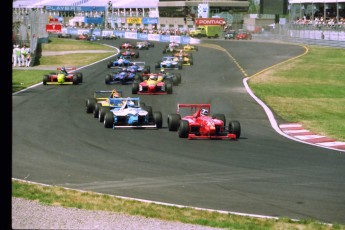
(29, 28)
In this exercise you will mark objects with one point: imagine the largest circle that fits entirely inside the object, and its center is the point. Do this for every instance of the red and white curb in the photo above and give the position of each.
(297, 131)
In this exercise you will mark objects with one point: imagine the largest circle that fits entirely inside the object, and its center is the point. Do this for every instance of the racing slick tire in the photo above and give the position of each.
(137, 78)
(109, 64)
(108, 79)
(46, 78)
(75, 80)
(183, 129)
(102, 112)
(79, 76)
(220, 117)
(98, 107)
(175, 81)
(157, 118)
(108, 120)
(169, 88)
(179, 65)
(178, 75)
(149, 110)
(235, 128)
(146, 69)
(135, 88)
(90, 105)
(173, 121)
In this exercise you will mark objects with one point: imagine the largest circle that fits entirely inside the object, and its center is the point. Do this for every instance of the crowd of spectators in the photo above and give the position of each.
(320, 22)
(21, 56)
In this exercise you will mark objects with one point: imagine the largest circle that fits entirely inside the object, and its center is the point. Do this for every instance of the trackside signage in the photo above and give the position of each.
(209, 21)
(54, 28)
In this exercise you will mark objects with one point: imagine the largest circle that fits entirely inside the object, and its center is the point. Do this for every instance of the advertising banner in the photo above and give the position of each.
(142, 36)
(209, 21)
(165, 38)
(153, 37)
(185, 40)
(175, 39)
(132, 35)
(133, 20)
(53, 28)
(150, 21)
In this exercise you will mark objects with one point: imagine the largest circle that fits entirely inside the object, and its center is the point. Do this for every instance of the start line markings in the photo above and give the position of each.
(297, 131)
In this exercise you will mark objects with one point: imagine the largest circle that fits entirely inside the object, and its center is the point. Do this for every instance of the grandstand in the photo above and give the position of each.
(115, 4)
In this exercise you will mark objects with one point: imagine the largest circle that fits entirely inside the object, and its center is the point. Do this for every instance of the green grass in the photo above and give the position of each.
(58, 44)
(58, 196)
(309, 90)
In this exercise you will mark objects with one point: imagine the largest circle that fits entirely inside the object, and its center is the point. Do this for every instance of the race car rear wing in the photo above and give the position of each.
(193, 106)
(68, 69)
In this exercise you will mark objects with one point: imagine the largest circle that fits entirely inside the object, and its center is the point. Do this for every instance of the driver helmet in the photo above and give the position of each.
(124, 69)
(162, 71)
(115, 94)
(63, 69)
(130, 104)
(204, 112)
(152, 77)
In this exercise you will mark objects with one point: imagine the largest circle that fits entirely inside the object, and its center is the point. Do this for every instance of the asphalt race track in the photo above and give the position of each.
(56, 142)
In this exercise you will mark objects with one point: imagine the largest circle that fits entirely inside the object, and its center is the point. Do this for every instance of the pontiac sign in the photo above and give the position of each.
(209, 21)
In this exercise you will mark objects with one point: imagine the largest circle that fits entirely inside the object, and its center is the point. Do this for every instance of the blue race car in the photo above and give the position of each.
(139, 67)
(132, 115)
(122, 76)
(120, 61)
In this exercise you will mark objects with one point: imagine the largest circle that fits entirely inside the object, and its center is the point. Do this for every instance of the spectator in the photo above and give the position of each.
(28, 57)
(23, 56)
(16, 56)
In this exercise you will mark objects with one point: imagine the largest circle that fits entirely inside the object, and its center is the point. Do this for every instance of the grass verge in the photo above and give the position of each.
(52, 195)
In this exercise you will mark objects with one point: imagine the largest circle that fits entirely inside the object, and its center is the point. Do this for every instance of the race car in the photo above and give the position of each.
(169, 62)
(184, 58)
(141, 46)
(126, 45)
(128, 54)
(101, 100)
(109, 37)
(153, 85)
(150, 44)
(199, 125)
(188, 48)
(173, 78)
(140, 67)
(122, 76)
(84, 36)
(171, 49)
(64, 76)
(119, 62)
(132, 115)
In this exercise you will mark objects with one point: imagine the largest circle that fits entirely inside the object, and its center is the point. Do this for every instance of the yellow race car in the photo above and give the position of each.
(188, 48)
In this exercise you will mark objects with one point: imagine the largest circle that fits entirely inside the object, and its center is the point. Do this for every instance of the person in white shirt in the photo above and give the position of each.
(16, 56)
(23, 55)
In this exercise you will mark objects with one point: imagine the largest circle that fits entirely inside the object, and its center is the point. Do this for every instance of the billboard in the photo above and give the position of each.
(54, 28)
(203, 10)
(209, 21)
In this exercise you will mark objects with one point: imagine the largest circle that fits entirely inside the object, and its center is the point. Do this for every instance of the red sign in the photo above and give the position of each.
(53, 20)
(209, 21)
(54, 28)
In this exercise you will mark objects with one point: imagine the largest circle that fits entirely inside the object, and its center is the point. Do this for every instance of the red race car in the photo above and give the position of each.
(243, 35)
(153, 85)
(130, 54)
(63, 76)
(199, 125)
(126, 45)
